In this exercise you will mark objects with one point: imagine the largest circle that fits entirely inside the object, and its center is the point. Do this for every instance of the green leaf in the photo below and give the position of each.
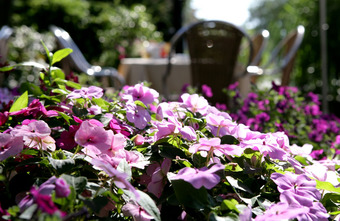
(189, 196)
(238, 184)
(62, 165)
(327, 186)
(57, 73)
(147, 203)
(228, 139)
(48, 53)
(73, 84)
(124, 167)
(29, 212)
(31, 88)
(78, 183)
(20, 103)
(6, 68)
(230, 205)
(169, 151)
(61, 54)
(229, 217)
(139, 103)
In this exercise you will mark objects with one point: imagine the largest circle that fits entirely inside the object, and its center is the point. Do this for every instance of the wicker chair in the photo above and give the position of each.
(283, 56)
(77, 62)
(214, 48)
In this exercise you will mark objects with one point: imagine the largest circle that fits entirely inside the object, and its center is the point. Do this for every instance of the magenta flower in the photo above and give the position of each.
(84, 92)
(137, 115)
(62, 189)
(281, 211)
(36, 109)
(206, 90)
(200, 177)
(10, 146)
(66, 140)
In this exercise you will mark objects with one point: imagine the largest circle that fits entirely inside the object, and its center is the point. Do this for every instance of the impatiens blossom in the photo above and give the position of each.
(219, 125)
(84, 92)
(136, 211)
(155, 177)
(119, 178)
(195, 103)
(200, 177)
(141, 93)
(66, 140)
(36, 134)
(10, 146)
(138, 115)
(36, 109)
(281, 211)
(62, 189)
(214, 146)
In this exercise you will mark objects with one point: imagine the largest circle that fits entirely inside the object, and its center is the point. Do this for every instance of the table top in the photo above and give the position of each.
(178, 59)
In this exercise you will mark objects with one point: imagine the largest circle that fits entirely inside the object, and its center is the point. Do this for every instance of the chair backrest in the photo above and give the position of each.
(214, 47)
(284, 54)
(260, 41)
(76, 59)
(5, 33)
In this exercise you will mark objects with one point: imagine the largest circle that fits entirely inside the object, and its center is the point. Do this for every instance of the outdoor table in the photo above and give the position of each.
(136, 70)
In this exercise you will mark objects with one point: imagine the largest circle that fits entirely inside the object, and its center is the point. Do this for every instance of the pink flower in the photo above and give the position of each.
(119, 178)
(10, 146)
(139, 140)
(92, 137)
(220, 125)
(36, 109)
(281, 211)
(136, 211)
(84, 92)
(214, 145)
(137, 115)
(142, 93)
(206, 90)
(33, 129)
(66, 140)
(300, 185)
(200, 177)
(155, 177)
(62, 189)
(195, 103)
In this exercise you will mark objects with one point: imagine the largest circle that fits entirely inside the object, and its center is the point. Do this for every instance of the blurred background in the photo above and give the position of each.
(108, 30)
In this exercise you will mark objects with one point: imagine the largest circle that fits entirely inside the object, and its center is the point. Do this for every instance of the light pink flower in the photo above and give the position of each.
(214, 145)
(10, 146)
(136, 211)
(119, 178)
(84, 92)
(93, 138)
(200, 177)
(281, 211)
(137, 115)
(34, 129)
(142, 93)
(219, 125)
(195, 103)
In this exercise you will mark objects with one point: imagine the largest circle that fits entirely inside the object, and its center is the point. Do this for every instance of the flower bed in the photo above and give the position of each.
(71, 153)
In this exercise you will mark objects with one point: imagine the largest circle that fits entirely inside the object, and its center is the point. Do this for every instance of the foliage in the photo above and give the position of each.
(285, 109)
(69, 153)
(104, 31)
(280, 17)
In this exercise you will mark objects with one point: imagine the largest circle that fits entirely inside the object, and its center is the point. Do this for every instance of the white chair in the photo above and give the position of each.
(77, 62)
